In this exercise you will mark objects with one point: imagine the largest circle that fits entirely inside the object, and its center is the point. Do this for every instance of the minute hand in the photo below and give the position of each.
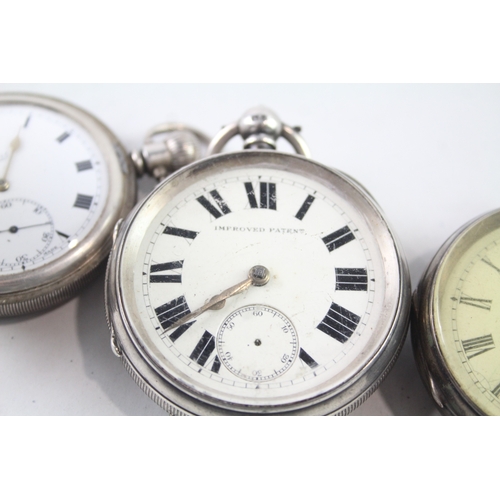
(258, 276)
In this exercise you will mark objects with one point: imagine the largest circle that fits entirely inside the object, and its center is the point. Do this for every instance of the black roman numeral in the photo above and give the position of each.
(216, 365)
(351, 278)
(496, 391)
(308, 360)
(220, 210)
(203, 349)
(63, 137)
(305, 207)
(62, 235)
(479, 345)
(471, 301)
(267, 196)
(83, 201)
(339, 323)
(179, 331)
(338, 238)
(165, 278)
(83, 165)
(183, 233)
(487, 260)
(172, 311)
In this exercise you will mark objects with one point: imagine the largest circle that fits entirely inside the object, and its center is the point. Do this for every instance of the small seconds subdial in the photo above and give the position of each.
(26, 232)
(257, 343)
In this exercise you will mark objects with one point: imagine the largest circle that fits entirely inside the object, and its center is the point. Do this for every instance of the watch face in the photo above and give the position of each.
(53, 186)
(316, 318)
(466, 308)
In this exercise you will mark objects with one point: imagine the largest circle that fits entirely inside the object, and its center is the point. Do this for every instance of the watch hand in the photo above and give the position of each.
(257, 276)
(15, 229)
(13, 146)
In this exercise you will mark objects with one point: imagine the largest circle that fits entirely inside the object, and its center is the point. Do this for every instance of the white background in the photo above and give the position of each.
(429, 154)
(436, 145)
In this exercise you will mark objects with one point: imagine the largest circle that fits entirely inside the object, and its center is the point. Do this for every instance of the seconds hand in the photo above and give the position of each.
(258, 276)
(15, 229)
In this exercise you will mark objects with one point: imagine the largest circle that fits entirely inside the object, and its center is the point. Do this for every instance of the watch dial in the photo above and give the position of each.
(53, 186)
(467, 311)
(297, 337)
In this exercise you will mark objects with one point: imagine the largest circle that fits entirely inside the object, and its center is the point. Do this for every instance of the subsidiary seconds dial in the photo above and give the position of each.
(27, 226)
(257, 343)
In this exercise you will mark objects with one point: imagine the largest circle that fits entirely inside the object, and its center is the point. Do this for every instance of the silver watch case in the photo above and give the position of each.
(155, 380)
(47, 286)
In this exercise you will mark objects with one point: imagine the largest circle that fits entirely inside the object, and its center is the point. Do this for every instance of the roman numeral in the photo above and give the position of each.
(179, 331)
(83, 165)
(339, 323)
(203, 349)
(351, 278)
(307, 359)
(165, 278)
(83, 201)
(62, 137)
(305, 207)
(338, 238)
(172, 311)
(479, 345)
(487, 260)
(471, 301)
(62, 235)
(183, 233)
(216, 365)
(221, 208)
(496, 391)
(267, 196)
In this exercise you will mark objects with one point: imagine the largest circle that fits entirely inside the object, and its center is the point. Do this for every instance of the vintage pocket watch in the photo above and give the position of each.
(257, 282)
(456, 322)
(65, 180)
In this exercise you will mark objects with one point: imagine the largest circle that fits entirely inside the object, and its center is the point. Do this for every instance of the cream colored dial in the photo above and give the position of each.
(467, 315)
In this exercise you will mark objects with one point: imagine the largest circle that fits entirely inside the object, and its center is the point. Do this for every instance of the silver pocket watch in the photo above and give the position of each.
(257, 282)
(65, 180)
(456, 321)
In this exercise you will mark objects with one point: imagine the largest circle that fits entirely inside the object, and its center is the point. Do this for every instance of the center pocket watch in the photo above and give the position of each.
(257, 282)
(456, 322)
(65, 180)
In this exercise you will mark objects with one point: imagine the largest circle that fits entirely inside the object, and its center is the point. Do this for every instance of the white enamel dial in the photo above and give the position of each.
(50, 169)
(322, 318)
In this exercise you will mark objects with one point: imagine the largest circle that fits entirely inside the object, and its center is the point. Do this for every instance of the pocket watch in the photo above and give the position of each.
(456, 322)
(65, 180)
(257, 282)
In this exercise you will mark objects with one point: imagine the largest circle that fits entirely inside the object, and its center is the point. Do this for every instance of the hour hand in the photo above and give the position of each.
(257, 276)
(13, 146)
